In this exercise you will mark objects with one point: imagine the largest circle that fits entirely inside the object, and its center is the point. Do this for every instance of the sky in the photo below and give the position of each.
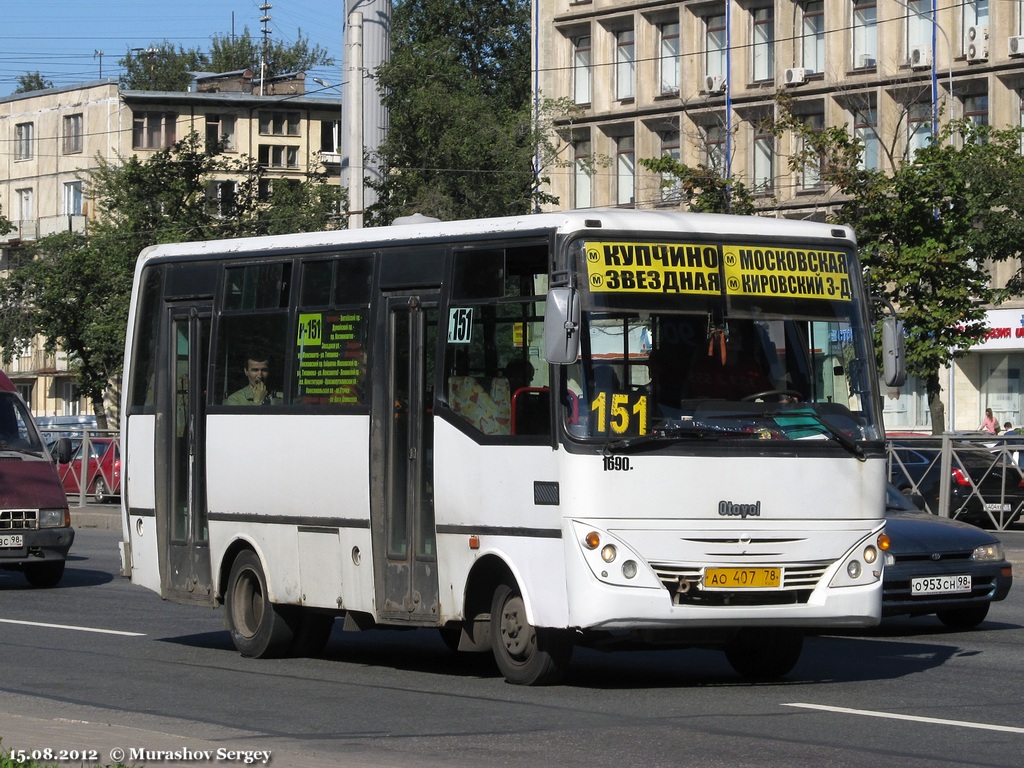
(63, 39)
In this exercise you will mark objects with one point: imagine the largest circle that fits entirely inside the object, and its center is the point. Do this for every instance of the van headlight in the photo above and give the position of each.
(54, 518)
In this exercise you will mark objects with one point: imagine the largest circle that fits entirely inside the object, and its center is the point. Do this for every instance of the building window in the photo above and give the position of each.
(813, 37)
(671, 186)
(153, 130)
(865, 34)
(26, 204)
(221, 195)
(865, 127)
(976, 109)
(220, 131)
(278, 156)
(72, 198)
(625, 64)
(330, 136)
(279, 123)
(72, 138)
(810, 175)
(583, 180)
(975, 14)
(23, 134)
(764, 160)
(919, 128)
(764, 43)
(919, 24)
(714, 45)
(581, 69)
(669, 62)
(625, 171)
(714, 151)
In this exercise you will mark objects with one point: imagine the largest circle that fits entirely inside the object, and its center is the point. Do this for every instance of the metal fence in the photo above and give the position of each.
(971, 477)
(90, 480)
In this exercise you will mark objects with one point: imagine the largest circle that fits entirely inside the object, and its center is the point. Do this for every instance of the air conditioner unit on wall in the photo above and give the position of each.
(920, 57)
(1015, 45)
(714, 84)
(977, 43)
(796, 76)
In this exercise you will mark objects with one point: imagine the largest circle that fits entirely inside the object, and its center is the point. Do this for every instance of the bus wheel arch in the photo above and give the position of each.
(258, 627)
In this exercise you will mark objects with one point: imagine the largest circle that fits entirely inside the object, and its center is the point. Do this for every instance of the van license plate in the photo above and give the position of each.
(12, 541)
(940, 585)
(742, 578)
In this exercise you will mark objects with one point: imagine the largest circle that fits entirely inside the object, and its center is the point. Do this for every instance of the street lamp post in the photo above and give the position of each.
(337, 146)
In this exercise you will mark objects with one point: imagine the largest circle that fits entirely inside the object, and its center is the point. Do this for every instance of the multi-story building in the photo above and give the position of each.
(698, 80)
(52, 137)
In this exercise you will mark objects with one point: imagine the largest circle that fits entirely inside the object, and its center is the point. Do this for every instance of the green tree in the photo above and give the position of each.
(73, 291)
(166, 67)
(701, 188)
(32, 81)
(461, 139)
(928, 231)
(230, 53)
(161, 67)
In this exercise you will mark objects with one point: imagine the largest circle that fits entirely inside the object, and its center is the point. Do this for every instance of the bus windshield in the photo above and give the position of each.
(754, 354)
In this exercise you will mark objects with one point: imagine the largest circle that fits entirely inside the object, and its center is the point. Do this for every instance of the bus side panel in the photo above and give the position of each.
(488, 491)
(139, 458)
(277, 473)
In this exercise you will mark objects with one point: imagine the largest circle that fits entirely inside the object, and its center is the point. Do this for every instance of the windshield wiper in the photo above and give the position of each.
(805, 418)
(668, 434)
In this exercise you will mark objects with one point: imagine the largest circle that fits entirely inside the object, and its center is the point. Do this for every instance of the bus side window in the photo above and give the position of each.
(240, 339)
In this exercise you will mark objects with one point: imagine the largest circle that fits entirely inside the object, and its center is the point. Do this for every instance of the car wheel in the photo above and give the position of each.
(765, 653)
(964, 618)
(258, 627)
(45, 575)
(100, 492)
(526, 655)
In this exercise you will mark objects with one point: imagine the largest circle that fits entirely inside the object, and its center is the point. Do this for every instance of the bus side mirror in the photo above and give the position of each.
(562, 326)
(894, 361)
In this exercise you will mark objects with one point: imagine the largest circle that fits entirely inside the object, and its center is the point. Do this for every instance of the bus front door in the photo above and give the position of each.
(187, 572)
(403, 518)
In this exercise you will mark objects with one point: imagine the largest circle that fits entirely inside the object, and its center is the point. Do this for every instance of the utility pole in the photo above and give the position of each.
(266, 30)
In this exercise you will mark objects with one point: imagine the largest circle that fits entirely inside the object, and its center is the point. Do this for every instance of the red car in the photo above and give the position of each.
(103, 473)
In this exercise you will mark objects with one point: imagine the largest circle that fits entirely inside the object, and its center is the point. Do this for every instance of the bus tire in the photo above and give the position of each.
(258, 628)
(526, 655)
(765, 653)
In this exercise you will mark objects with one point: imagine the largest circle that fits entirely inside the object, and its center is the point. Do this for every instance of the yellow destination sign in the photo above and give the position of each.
(786, 272)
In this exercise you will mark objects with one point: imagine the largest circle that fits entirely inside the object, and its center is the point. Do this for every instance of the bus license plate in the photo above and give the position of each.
(742, 578)
(940, 585)
(11, 541)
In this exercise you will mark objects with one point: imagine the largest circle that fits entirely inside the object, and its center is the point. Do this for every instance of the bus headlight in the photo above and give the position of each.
(853, 569)
(862, 565)
(600, 549)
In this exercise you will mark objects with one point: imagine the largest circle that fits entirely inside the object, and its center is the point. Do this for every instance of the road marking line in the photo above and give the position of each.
(915, 718)
(77, 629)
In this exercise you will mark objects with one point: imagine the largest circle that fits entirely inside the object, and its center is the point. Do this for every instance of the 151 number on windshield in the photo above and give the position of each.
(619, 413)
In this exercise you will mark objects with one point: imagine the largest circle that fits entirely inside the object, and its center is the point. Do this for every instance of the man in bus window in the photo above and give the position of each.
(256, 392)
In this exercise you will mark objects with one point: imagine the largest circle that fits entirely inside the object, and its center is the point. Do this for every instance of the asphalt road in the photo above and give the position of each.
(99, 665)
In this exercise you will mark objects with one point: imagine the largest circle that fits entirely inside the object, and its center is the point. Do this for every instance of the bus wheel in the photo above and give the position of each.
(258, 627)
(525, 654)
(46, 574)
(765, 653)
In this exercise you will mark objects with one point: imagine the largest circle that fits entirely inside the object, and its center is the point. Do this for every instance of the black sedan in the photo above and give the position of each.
(941, 566)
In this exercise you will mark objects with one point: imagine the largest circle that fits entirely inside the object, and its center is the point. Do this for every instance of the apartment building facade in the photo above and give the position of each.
(55, 136)
(698, 80)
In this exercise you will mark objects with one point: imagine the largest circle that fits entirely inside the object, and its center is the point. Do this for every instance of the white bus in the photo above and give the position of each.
(598, 428)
